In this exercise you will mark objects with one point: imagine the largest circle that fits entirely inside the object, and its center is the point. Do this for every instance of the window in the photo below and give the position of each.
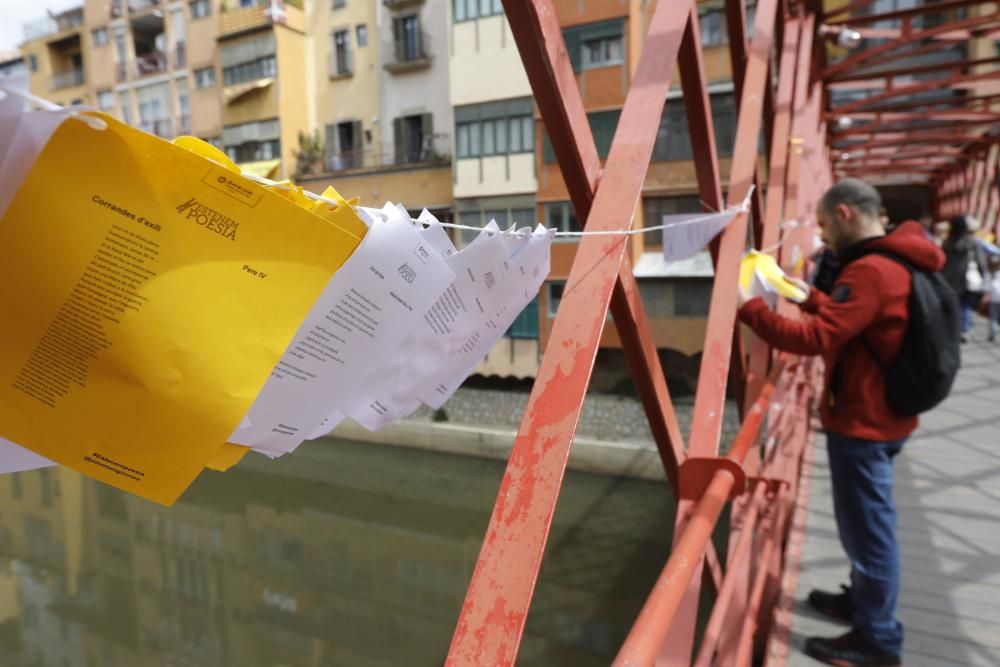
(713, 27)
(100, 36)
(555, 296)
(468, 10)
(248, 61)
(691, 298)
(33, 62)
(341, 65)
(526, 323)
(204, 77)
(362, 34)
(250, 142)
(413, 138)
(560, 215)
(495, 128)
(673, 142)
(126, 108)
(504, 212)
(596, 44)
(201, 8)
(408, 39)
(105, 100)
(343, 145)
(602, 125)
(654, 208)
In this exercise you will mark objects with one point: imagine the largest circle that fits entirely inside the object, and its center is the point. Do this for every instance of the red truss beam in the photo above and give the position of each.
(920, 10)
(867, 57)
(950, 82)
(497, 601)
(958, 66)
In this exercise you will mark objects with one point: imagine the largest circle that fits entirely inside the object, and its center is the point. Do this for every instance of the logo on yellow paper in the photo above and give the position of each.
(208, 218)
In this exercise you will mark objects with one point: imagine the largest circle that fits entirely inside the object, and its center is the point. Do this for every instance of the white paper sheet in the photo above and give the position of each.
(368, 307)
(683, 238)
(470, 300)
(527, 271)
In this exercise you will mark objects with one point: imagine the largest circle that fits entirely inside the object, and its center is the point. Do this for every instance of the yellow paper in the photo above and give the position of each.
(227, 457)
(767, 269)
(147, 295)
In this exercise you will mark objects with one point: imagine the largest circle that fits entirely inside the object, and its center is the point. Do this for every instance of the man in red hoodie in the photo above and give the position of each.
(869, 299)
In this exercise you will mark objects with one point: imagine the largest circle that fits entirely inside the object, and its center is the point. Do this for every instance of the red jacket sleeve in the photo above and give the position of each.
(817, 298)
(853, 307)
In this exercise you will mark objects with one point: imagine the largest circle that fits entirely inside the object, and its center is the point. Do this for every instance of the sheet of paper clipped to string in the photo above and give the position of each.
(172, 314)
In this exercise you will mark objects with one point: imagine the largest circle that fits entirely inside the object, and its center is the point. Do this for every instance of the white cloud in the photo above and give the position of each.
(16, 13)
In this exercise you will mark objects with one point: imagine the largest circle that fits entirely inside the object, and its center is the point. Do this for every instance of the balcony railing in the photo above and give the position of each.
(73, 77)
(139, 5)
(409, 53)
(151, 63)
(121, 72)
(343, 66)
(163, 127)
(183, 124)
(433, 151)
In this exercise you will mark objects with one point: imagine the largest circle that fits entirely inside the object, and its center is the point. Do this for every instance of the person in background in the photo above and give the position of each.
(964, 267)
(994, 293)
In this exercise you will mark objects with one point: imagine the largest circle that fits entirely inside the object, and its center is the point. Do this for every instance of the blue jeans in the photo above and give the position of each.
(861, 474)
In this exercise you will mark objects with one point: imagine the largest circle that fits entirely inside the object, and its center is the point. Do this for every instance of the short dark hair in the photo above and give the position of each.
(854, 193)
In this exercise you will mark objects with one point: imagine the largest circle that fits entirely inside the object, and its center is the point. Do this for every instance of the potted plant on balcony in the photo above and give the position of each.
(309, 155)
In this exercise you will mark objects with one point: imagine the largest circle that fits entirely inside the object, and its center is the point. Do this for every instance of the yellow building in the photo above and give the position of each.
(345, 79)
(54, 53)
(265, 102)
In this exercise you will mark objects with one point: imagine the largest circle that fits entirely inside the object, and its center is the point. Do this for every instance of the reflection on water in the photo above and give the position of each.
(342, 554)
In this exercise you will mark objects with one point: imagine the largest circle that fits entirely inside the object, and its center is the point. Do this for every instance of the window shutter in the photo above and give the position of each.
(426, 136)
(397, 133)
(397, 38)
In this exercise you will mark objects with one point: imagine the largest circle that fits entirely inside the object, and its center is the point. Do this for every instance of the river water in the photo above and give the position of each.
(342, 554)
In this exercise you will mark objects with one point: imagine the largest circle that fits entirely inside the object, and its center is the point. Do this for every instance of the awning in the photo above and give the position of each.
(233, 93)
(262, 168)
(653, 265)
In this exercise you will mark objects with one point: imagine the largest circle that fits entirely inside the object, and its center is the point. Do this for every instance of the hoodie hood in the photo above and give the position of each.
(908, 241)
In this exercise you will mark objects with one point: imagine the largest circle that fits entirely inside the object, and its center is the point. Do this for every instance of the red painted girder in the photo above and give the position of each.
(558, 97)
(714, 371)
(983, 102)
(947, 139)
(919, 10)
(915, 88)
(983, 115)
(701, 130)
(499, 595)
(957, 65)
(859, 59)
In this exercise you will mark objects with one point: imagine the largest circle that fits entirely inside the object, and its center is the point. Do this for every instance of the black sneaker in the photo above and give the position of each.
(850, 650)
(834, 605)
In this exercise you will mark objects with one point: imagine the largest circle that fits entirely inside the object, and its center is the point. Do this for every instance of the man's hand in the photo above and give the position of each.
(802, 285)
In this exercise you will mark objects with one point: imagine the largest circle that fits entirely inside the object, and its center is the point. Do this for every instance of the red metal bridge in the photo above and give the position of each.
(828, 91)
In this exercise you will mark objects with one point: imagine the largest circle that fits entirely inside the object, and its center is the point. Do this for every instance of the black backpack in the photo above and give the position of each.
(930, 356)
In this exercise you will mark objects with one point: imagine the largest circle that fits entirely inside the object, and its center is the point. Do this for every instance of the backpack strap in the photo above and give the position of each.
(906, 265)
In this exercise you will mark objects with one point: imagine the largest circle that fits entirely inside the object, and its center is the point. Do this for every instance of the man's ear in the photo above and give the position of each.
(845, 212)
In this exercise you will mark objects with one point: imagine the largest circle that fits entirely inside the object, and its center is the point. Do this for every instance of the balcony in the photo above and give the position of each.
(342, 67)
(242, 19)
(121, 72)
(184, 124)
(52, 25)
(142, 5)
(151, 63)
(409, 53)
(400, 4)
(68, 79)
